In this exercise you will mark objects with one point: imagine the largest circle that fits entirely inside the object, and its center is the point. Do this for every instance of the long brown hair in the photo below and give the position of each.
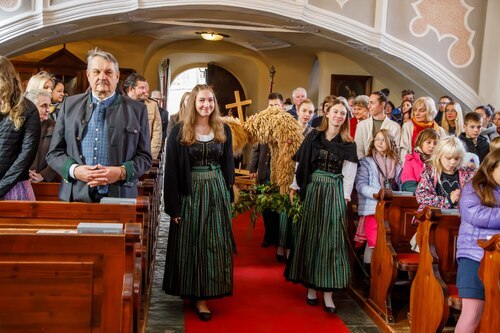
(188, 135)
(483, 182)
(426, 134)
(393, 151)
(344, 128)
(11, 93)
(182, 107)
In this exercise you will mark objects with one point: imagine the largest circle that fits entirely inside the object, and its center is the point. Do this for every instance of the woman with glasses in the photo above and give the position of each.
(453, 122)
(443, 101)
(380, 168)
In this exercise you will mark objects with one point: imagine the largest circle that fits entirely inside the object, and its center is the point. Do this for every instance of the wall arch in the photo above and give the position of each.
(43, 23)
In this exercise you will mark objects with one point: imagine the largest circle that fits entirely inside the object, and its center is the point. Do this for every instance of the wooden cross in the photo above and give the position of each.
(238, 104)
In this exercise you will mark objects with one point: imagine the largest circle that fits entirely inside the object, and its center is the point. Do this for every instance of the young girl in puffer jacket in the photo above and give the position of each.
(442, 181)
(480, 219)
(414, 163)
(380, 168)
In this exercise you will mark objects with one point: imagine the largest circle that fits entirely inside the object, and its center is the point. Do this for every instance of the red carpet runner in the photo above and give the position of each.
(262, 300)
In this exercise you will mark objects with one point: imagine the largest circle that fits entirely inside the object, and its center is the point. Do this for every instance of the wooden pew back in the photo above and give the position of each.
(394, 231)
(58, 214)
(64, 283)
(489, 272)
(436, 237)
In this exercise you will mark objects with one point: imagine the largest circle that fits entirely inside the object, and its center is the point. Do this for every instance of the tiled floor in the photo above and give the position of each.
(166, 312)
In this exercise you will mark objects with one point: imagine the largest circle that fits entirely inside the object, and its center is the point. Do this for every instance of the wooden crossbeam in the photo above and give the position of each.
(239, 105)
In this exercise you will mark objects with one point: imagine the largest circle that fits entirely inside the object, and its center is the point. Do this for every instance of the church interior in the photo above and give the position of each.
(328, 47)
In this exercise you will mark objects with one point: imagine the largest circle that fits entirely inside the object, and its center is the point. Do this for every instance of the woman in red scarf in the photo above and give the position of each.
(424, 111)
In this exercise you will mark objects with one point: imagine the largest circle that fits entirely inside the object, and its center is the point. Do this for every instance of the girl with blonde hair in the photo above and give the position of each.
(199, 177)
(19, 138)
(41, 80)
(442, 181)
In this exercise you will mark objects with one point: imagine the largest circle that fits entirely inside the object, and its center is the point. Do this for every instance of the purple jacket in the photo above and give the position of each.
(477, 222)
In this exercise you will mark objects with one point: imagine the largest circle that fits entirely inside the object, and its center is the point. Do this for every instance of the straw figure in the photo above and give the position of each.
(283, 134)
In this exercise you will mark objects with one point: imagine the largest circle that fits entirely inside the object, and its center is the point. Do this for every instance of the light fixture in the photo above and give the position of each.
(212, 36)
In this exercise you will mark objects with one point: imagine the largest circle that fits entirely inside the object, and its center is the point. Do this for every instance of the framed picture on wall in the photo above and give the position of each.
(350, 85)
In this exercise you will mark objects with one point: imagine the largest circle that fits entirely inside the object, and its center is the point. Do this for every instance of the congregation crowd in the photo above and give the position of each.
(100, 143)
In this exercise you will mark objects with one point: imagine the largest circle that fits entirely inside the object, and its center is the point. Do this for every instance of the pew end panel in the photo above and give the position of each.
(393, 227)
(489, 273)
(63, 283)
(429, 309)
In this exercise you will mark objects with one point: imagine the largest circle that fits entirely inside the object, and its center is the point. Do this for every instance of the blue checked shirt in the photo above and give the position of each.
(95, 137)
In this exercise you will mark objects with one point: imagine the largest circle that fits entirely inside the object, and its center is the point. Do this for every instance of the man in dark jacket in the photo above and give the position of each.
(101, 143)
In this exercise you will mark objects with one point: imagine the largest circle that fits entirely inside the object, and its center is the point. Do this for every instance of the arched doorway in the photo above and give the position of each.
(220, 79)
(182, 83)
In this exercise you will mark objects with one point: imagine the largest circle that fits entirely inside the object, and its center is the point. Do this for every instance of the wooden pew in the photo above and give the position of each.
(46, 191)
(66, 282)
(392, 252)
(489, 273)
(148, 211)
(66, 215)
(436, 275)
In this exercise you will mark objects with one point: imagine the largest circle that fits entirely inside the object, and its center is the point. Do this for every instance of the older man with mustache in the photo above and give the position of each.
(101, 143)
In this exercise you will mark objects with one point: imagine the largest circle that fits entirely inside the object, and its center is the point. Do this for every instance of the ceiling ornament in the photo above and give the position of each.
(456, 26)
(10, 5)
(342, 2)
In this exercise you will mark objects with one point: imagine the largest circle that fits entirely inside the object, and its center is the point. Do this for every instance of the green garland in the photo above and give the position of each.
(266, 196)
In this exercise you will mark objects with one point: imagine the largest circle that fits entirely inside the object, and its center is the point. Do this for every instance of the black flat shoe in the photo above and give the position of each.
(312, 301)
(280, 257)
(204, 316)
(329, 309)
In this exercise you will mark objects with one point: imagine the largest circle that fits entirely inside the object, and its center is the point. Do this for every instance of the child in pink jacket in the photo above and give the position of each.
(414, 163)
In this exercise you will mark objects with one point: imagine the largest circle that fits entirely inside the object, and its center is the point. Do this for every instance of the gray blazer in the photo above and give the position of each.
(128, 137)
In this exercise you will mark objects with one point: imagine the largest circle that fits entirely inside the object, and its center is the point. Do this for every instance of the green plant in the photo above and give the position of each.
(266, 196)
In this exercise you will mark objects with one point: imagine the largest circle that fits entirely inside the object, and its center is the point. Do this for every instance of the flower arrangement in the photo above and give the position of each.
(266, 196)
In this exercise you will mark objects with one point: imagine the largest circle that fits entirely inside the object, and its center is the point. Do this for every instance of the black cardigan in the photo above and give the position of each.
(306, 156)
(178, 169)
(18, 147)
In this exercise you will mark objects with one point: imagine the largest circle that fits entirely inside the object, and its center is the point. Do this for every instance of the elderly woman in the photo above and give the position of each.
(424, 111)
(360, 112)
(39, 170)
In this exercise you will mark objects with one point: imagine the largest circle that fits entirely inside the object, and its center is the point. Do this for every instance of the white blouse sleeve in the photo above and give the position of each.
(349, 170)
(294, 185)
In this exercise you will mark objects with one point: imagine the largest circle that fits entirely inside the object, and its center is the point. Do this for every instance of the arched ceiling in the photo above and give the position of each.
(256, 30)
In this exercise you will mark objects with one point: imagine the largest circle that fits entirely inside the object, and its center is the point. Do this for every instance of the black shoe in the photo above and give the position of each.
(329, 309)
(204, 316)
(280, 257)
(312, 301)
